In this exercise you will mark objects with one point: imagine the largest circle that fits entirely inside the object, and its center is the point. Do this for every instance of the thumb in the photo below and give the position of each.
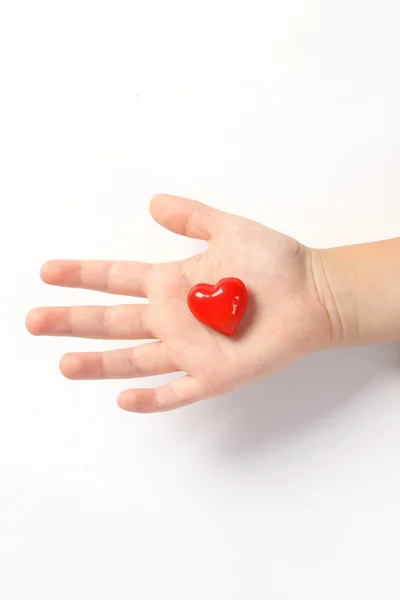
(187, 217)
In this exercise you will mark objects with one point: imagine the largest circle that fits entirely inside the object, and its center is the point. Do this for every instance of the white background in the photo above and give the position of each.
(286, 112)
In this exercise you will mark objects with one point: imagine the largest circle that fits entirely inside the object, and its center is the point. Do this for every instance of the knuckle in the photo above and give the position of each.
(107, 322)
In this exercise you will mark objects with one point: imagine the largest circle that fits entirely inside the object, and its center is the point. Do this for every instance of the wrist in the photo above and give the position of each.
(336, 292)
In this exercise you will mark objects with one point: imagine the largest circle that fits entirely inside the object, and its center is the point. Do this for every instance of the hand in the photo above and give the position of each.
(283, 321)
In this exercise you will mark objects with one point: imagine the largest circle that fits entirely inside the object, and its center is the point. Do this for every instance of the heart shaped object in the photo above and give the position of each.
(220, 306)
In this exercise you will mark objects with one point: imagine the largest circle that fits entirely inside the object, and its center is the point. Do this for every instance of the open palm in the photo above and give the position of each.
(284, 319)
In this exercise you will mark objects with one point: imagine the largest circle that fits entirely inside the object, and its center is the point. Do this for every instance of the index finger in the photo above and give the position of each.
(125, 278)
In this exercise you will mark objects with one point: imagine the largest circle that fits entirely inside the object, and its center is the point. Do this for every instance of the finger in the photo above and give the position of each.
(127, 322)
(144, 360)
(187, 217)
(125, 278)
(178, 393)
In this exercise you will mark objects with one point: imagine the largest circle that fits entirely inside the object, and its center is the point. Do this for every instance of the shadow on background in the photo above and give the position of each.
(292, 400)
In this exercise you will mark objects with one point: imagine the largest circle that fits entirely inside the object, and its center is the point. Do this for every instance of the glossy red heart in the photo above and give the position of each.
(220, 306)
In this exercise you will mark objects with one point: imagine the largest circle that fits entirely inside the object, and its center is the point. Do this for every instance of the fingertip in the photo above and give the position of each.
(34, 322)
(185, 216)
(174, 212)
(139, 400)
(157, 205)
(50, 271)
(122, 402)
(71, 366)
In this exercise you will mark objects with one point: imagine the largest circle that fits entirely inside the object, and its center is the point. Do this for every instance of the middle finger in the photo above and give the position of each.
(97, 322)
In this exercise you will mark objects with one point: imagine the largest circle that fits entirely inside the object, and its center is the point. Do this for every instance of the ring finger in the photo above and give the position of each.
(147, 359)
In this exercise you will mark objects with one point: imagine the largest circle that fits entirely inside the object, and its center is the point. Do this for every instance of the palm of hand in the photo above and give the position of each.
(283, 320)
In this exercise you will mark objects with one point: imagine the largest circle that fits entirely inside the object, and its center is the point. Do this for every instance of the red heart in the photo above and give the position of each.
(220, 306)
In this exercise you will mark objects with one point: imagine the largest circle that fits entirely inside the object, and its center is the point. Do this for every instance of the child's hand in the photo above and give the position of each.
(283, 321)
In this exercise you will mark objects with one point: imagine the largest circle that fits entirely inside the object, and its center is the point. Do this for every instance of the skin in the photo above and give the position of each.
(300, 301)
